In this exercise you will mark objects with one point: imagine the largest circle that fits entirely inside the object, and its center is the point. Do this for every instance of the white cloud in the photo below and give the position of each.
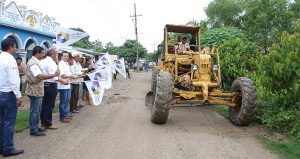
(110, 21)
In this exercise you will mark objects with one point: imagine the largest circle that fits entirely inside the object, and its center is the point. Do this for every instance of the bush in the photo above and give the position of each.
(239, 58)
(279, 85)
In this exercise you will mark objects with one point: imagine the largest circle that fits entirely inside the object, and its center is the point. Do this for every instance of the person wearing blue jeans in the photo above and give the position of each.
(10, 98)
(8, 111)
(65, 95)
(50, 87)
(35, 89)
(65, 89)
(34, 115)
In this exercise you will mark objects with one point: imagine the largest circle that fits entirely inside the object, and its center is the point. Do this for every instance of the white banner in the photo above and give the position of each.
(66, 37)
(119, 66)
(96, 90)
(98, 75)
(109, 78)
(105, 63)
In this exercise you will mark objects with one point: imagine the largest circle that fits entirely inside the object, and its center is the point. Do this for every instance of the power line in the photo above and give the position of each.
(136, 35)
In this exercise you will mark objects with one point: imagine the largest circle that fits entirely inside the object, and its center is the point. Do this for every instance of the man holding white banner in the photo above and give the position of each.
(66, 37)
(65, 90)
(76, 83)
(119, 66)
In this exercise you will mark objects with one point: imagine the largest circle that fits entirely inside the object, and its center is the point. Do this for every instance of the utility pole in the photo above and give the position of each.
(136, 36)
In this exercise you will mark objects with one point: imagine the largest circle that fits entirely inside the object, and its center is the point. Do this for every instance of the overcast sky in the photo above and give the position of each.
(110, 21)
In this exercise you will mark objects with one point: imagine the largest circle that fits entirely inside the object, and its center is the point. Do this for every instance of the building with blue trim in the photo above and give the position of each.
(27, 28)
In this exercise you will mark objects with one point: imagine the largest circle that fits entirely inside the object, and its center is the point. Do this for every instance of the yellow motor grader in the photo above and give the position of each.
(193, 76)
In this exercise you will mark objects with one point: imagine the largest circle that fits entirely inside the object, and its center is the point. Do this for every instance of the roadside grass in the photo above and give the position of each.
(22, 121)
(289, 149)
(222, 110)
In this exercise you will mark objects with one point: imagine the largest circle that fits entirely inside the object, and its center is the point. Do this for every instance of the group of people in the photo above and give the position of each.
(126, 69)
(44, 79)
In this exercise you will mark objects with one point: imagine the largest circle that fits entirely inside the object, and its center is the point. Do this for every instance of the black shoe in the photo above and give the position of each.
(74, 111)
(13, 153)
(1, 152)
(80, 106)
(77, 108)
(42, 130)
(38, 133)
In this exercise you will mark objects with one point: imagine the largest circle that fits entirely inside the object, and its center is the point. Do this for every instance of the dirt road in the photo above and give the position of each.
(120, 128)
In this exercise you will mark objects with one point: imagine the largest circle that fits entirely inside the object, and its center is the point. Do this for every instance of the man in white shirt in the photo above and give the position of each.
(10, 97)
(76, 83)
(65, 90)
(50, 87)
(35, 89)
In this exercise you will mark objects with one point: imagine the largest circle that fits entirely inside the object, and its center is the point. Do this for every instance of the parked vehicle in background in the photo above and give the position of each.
(151, 64)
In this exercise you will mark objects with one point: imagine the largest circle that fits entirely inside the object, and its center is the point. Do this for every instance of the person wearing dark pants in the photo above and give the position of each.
(74, 98)
(10, 98)
(50, 87)
(8, 111)
(48, 105)
(115, 74)
(127, 69)
(76, 69)
(35, 89)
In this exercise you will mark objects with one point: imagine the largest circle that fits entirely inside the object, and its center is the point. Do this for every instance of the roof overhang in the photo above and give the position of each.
(182, 28)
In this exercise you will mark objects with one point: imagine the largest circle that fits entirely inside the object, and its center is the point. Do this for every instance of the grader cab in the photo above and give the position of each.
(192, 76)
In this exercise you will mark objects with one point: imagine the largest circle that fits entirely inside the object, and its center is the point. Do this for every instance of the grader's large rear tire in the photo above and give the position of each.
(246, 97)
(149, 96)
(162, 95)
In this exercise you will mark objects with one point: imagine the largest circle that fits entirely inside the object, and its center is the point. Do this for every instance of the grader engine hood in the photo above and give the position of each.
(204, 68)
(200, 66)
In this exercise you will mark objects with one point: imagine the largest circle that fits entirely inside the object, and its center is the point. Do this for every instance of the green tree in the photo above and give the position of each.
(193, 22)
(203, 26)
(98, 46)
(112, 49)
(219, 35)
(294, 9)
(264, 20)
(224, 13)
(128, 50)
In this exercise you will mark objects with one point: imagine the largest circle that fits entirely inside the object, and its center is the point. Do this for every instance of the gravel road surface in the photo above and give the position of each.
(120, 128)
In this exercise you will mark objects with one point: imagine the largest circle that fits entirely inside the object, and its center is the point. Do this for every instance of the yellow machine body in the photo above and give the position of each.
(194, 86)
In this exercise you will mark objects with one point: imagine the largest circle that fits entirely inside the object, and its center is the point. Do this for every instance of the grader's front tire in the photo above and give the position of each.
(149, 96)
(246, 97)
(154, 75)
(162, 95)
